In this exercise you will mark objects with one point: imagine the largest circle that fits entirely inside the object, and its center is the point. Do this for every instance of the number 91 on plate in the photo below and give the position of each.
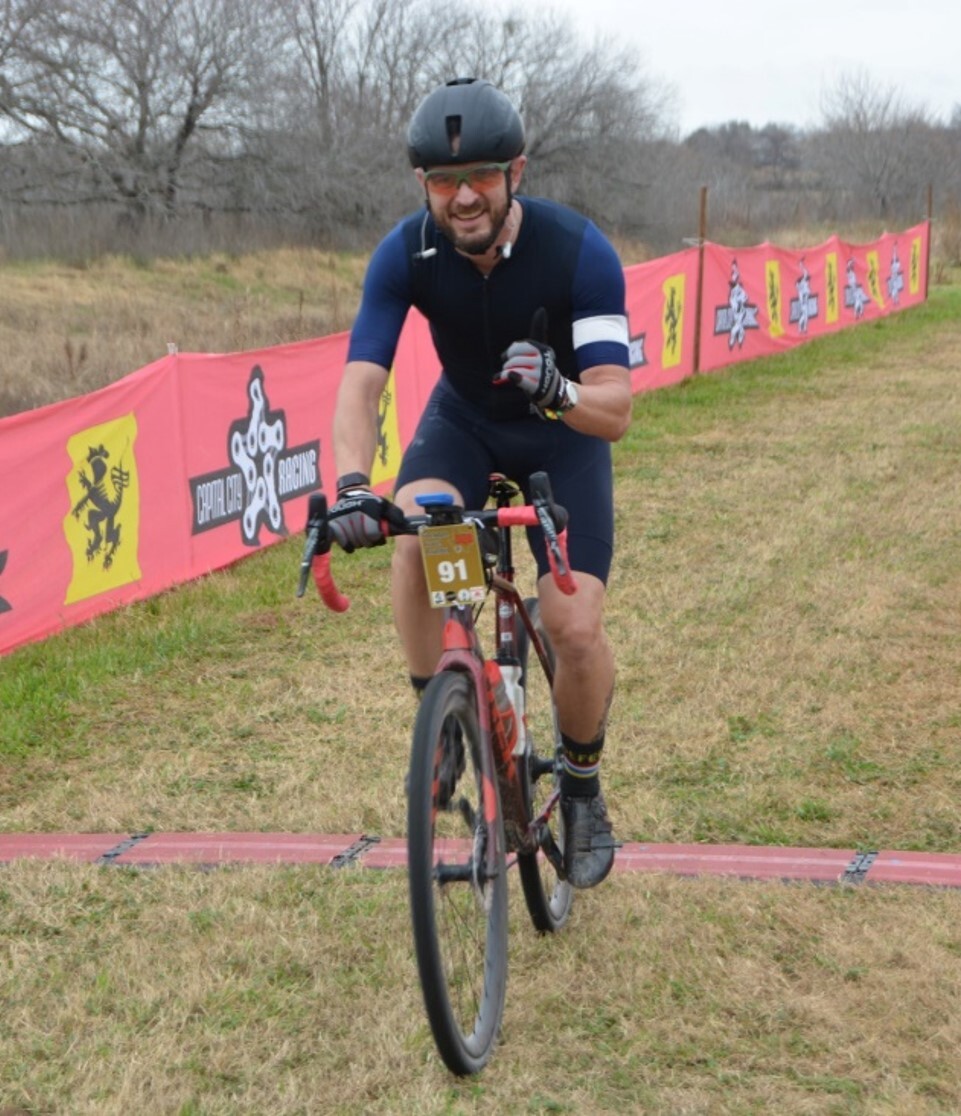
(453, 564)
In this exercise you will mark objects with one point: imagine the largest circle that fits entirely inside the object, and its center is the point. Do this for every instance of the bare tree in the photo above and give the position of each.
(16, 20)
(873, 144)
(360, 67)
(318, 31)
(127, 87)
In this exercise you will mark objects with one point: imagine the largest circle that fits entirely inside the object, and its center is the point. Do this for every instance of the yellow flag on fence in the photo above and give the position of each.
(387, 458)
(102, 527)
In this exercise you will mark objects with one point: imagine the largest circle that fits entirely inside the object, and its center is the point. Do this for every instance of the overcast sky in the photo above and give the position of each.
(764, 62)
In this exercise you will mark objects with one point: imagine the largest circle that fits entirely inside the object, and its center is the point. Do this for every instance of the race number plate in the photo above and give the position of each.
(453, 564)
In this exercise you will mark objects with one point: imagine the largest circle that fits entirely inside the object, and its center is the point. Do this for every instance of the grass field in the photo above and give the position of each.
(69, 328)
(786, 611)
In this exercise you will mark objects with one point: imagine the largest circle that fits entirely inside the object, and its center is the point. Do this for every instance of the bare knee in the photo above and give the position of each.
(407, 568)
(578, 638)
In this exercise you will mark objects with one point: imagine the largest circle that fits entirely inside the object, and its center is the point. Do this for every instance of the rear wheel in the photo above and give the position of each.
(548, 895)
(457, 876)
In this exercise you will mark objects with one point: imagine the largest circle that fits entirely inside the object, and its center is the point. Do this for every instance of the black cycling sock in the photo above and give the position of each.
(419, 684)
(581, 766)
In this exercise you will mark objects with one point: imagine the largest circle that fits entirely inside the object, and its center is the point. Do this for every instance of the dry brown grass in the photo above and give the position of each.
(292, 991)
(785, 611)
(67, 330)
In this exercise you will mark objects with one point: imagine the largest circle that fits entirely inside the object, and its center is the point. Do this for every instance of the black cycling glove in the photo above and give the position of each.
(359, 518)
(532, 366)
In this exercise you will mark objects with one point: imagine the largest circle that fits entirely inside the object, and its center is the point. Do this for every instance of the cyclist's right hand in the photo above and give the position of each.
(360, 518)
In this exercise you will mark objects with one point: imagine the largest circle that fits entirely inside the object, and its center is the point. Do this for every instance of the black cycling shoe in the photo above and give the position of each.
(588, 840)
(452, 764)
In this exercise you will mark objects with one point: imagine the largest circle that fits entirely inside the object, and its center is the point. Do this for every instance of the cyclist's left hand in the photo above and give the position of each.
(532, 366)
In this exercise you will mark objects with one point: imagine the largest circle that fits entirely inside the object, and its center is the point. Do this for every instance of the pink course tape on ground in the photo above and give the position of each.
(746, 861)
(225, 848)
(936, 869)
(55, 846)
(739, 861)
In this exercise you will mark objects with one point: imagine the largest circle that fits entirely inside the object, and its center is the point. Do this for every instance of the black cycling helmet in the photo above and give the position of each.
(467, 120)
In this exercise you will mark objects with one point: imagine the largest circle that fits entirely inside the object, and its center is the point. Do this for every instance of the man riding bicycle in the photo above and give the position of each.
(525, 300)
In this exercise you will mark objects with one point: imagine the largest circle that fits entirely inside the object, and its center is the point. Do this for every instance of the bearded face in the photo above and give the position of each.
(470, 204)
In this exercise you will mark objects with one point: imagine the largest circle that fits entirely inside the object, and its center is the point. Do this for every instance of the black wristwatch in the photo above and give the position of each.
(353, 480)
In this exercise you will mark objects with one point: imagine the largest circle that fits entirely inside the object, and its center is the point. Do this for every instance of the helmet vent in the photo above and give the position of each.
(453, 133)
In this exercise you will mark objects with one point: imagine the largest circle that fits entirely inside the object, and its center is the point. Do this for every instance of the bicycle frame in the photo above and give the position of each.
(462, 651)
(474, 758)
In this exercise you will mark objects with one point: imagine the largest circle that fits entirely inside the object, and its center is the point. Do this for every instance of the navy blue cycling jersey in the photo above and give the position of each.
(561, 262)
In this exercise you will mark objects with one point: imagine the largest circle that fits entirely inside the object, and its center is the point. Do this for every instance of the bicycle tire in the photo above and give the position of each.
(548, 896)
(459, 916)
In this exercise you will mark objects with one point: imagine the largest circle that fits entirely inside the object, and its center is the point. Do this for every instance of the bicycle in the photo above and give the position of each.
(483, 782)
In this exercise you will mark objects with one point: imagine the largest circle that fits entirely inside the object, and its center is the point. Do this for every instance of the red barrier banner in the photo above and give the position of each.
(763, 300)
(176, 470)
(181, 468)
(75, 523)
(661, 300)
(255, 443)
(197, 460)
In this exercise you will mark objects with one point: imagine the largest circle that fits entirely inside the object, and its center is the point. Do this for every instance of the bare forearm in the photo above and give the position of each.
(604, 403)
(355, 417)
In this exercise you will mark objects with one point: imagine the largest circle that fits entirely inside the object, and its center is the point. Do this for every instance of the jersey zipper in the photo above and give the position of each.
(488, 339)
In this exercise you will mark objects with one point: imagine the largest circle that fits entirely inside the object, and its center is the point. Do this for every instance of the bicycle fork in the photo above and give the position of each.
(461, 652)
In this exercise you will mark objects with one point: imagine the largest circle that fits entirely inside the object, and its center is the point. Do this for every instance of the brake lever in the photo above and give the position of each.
(551, 537)
(556, 543)
(318, 541)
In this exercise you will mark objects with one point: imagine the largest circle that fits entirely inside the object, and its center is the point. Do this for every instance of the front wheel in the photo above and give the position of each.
(548, 895)
(457, 875)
